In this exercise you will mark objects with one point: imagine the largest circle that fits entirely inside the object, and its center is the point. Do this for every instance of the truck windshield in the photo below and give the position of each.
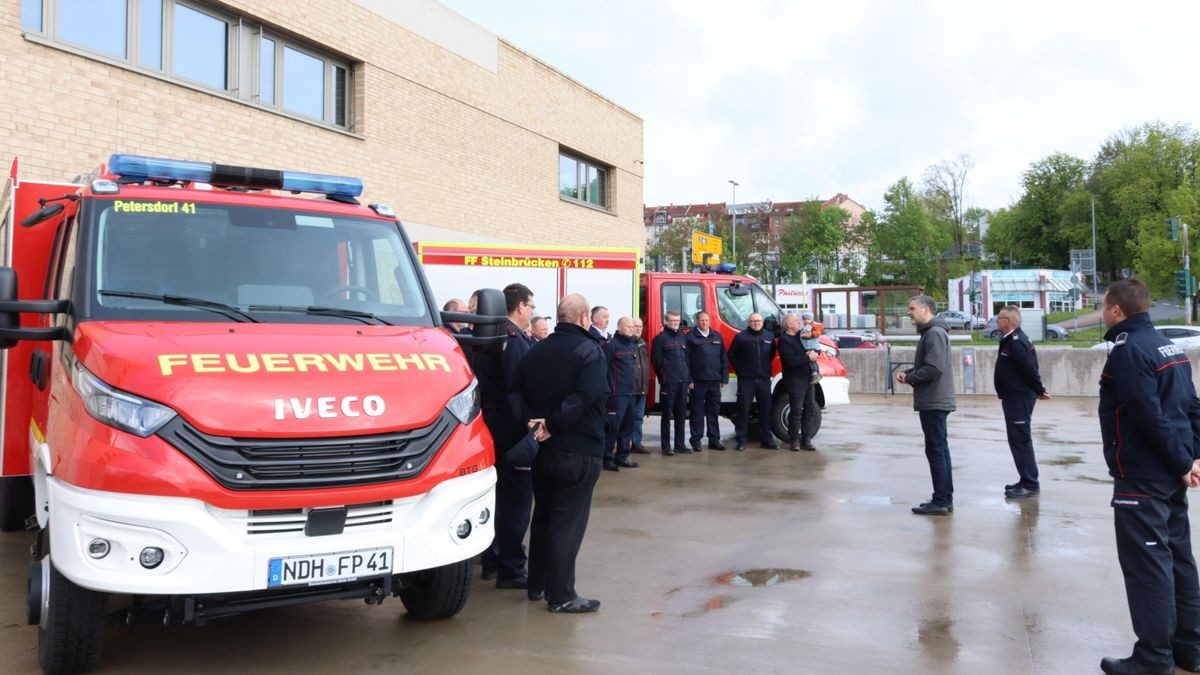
(735, 310)
(268, 263)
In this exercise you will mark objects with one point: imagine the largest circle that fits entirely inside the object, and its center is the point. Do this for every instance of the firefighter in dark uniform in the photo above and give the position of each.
(505, 416)
(565, 384)
(668, 354)
(751, 353)
(625, 377)
(1018, 385)
(709, 366)
(1146, 399)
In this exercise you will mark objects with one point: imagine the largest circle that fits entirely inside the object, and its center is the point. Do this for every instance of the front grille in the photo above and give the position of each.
(283, 521)
(273, 464)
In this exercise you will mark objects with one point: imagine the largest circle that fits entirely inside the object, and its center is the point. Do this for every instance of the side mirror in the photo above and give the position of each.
(45, 213)
(489, 334)
(771, 323)
(8, 291)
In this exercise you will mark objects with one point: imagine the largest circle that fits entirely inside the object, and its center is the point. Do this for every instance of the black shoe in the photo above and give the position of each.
(534, 596)
(716, 445)
(794, 446)
(740, 446)
(625, 463)
(931, 509)
(488, 575)
(667, 452)
(696, 447)
(517, 582)
(1021, 493)
(639, 449)
(579, 605)
(1014, 485)
(807, 444)
(1115, 666)
(769, 445)
(1189, 661)
(609, 466)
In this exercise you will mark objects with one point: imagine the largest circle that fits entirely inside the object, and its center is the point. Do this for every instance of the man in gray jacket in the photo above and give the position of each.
(933, 399)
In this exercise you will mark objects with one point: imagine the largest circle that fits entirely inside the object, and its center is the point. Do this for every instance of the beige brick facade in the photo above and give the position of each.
(446, 141)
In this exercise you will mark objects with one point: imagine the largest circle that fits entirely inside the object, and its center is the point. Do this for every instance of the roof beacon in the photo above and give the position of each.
(135, 169)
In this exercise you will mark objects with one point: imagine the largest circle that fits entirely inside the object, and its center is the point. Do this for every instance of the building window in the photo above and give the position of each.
(582, 180)
(198, 44)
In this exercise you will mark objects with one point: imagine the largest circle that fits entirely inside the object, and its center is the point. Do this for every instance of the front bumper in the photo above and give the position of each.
(211, 550)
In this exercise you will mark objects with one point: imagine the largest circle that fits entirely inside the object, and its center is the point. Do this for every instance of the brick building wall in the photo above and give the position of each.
(446, 141)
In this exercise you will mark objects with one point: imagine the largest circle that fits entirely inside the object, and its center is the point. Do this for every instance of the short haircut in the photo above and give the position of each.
(672, 313)
(596, 311)
(451, 304)
(514, 295)
(925, 301)
(701, 313)
(1131, 295)
(537, 319)
(1013, 313)
(571, 308)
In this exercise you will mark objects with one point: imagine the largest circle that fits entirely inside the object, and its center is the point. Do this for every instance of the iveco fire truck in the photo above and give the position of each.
(219, 397)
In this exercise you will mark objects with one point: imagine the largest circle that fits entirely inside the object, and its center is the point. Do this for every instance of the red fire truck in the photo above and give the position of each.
(217, 399)
(610, 277)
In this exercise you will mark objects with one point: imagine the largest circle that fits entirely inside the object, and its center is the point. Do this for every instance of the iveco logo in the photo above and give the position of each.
(328, 406)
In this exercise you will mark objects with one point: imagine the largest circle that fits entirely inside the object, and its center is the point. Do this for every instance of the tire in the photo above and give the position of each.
(995, 335)
(1052, 335)
(16, 502)
(781, 409)
(71, 632)
(437, 593)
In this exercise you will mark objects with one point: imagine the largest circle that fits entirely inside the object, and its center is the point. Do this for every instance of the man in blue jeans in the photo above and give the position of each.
(932, 381)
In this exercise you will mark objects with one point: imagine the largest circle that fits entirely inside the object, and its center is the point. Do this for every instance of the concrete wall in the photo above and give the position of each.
(451, 126)
(1065, 371)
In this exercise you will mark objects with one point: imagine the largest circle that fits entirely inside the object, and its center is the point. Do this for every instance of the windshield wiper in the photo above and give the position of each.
(200, 303)
(365, 317)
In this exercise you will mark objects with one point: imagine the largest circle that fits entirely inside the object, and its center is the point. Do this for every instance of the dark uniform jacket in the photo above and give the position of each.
(1016, 374)
(563, 379)
(793, 356)
(598, 335)
(497, 373)
(643, 354)
(668, 353)
(1146, 394)
(931, 376)
(707, 360)
(751, 353)
(625, 366)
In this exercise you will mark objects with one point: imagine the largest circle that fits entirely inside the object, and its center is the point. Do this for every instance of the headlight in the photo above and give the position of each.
(117, 408)
(465, 405)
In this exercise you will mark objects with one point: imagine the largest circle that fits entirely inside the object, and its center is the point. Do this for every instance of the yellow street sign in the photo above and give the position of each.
(706, 243)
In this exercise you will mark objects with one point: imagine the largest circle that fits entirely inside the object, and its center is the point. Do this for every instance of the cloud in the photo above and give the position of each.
(796, 99)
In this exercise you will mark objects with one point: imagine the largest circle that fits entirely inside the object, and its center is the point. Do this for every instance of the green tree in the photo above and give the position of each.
(907, 245)
(812, 241)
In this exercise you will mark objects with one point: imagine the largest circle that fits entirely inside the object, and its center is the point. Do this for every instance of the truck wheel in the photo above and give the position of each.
(781, 410)
(70, 633)
(437, 593)
(16, 502)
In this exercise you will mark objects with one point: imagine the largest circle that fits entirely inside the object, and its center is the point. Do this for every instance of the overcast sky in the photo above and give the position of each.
(796, 99)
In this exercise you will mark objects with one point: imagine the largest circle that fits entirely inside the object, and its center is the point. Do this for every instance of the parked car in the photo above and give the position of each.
(1053, 331)
(961, 320)
(1184, 336)
(858, 341)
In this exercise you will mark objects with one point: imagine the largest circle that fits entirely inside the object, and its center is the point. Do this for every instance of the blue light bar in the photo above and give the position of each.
(133, 168)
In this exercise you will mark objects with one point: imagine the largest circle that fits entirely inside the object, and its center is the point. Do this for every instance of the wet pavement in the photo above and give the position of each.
(745, 562)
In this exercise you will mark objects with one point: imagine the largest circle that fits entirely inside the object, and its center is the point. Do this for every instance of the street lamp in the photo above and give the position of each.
(733, 215)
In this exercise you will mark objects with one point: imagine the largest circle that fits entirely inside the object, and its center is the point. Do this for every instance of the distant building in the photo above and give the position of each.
(985, 292)
(762, 221)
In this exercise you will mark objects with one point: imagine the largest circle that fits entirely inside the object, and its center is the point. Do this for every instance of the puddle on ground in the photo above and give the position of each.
(631, 532)
(763, 577)
(713, 603)
(873, 500)
(1090, 479)
(1064, 460)
(784, 496)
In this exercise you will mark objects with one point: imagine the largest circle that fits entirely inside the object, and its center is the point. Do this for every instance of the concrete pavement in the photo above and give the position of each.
(754, 562)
